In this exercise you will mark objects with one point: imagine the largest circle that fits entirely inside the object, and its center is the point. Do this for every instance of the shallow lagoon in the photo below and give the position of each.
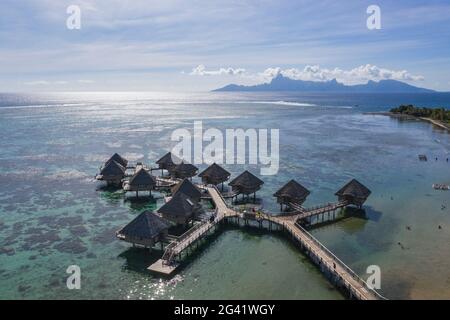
(52, 213)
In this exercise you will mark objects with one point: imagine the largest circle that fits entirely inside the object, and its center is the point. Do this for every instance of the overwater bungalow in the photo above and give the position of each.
(292, 194)
(146, 230)
(214, 175)
(119, 159)
(142, 180)
(168, 162)
(354, 192)
(179, 210)
(189, 189)
(246, 183)
(184, 170)
(112, 172)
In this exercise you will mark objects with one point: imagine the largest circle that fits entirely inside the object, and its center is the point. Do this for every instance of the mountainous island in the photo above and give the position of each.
(281, 83)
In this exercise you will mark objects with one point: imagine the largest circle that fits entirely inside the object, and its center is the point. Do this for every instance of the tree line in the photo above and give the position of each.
(441, 114)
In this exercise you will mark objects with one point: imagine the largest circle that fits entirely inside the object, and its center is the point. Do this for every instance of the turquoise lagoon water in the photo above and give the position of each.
(53, 214)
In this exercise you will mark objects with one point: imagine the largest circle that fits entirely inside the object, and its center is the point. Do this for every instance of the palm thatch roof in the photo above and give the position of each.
(355, 189)
(184, 170)
(179, 206)
(119, 159)
(188, 188)
(142, 178)
(168, 161)
(147, 225)
(214, 174)
(113, 169)
(293, 190)
(246, 183)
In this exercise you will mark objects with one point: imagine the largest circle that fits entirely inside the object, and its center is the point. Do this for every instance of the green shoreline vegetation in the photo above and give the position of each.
(439, 114)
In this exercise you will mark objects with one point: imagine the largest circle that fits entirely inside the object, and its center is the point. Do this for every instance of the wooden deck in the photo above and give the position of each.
(167, 265)
(327, 261)
(338, 271)
(303, 213)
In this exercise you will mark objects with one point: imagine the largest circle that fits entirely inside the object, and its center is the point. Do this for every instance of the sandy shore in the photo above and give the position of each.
(409, 117)
(437, 123)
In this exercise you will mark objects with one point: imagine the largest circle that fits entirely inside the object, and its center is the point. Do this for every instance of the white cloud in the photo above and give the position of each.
(360, 74)
(200, 70)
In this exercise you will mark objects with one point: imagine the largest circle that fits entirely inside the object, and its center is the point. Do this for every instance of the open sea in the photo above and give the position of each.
(53, 214)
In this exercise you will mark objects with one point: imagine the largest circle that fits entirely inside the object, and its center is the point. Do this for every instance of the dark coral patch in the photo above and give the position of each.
(74, 245)
(106, 236)
(8, 251)
(79, 231)
(41, 240)
(23, 288)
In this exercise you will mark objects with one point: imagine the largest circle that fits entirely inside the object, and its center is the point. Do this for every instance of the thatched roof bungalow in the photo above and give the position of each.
(142, 180)
(112, 172)
(184, 170)
(180, 209)
(354, 192)
(146, 230)
(291, 192)
(246, 183)
(214, 174)
(189, 189)
(119, 159)
(168, 161)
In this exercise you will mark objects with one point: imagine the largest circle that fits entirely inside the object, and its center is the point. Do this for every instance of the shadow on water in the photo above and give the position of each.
(248, 201)
(113, 195)
(141, 203)
(138, 259)
(369, 213)
(108, 188)
(358, 218)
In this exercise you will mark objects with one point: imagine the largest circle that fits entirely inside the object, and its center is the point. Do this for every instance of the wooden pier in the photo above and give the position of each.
(290, 223)
(336, 270)
(168, 263)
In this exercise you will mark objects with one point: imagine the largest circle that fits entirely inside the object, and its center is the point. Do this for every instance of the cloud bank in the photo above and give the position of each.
(200, 70)
(357, 75)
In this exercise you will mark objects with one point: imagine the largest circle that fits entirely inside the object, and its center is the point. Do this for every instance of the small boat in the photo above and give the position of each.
(438, 186)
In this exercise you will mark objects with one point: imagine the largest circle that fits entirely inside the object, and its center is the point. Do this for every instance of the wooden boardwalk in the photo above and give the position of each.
(326, 260)
(167, 265)
(302, 213)
(328, 263)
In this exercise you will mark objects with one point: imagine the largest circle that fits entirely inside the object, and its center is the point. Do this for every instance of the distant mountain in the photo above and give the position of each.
(281, 83)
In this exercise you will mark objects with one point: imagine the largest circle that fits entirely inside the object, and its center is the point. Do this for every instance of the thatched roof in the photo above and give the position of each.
(119, 159)
(188, 188)
(112, 168)
(179, 206)
(292, 189)
(184, 170)
(168, 160)
(147, 225)
(215, 174)
(355, 189)
(142, 178)
(246, 180)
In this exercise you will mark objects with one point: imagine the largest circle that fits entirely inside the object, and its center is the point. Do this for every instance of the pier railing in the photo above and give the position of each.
(339, 261)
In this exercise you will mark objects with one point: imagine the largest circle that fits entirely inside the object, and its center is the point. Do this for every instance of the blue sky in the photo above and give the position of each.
(200, 45)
